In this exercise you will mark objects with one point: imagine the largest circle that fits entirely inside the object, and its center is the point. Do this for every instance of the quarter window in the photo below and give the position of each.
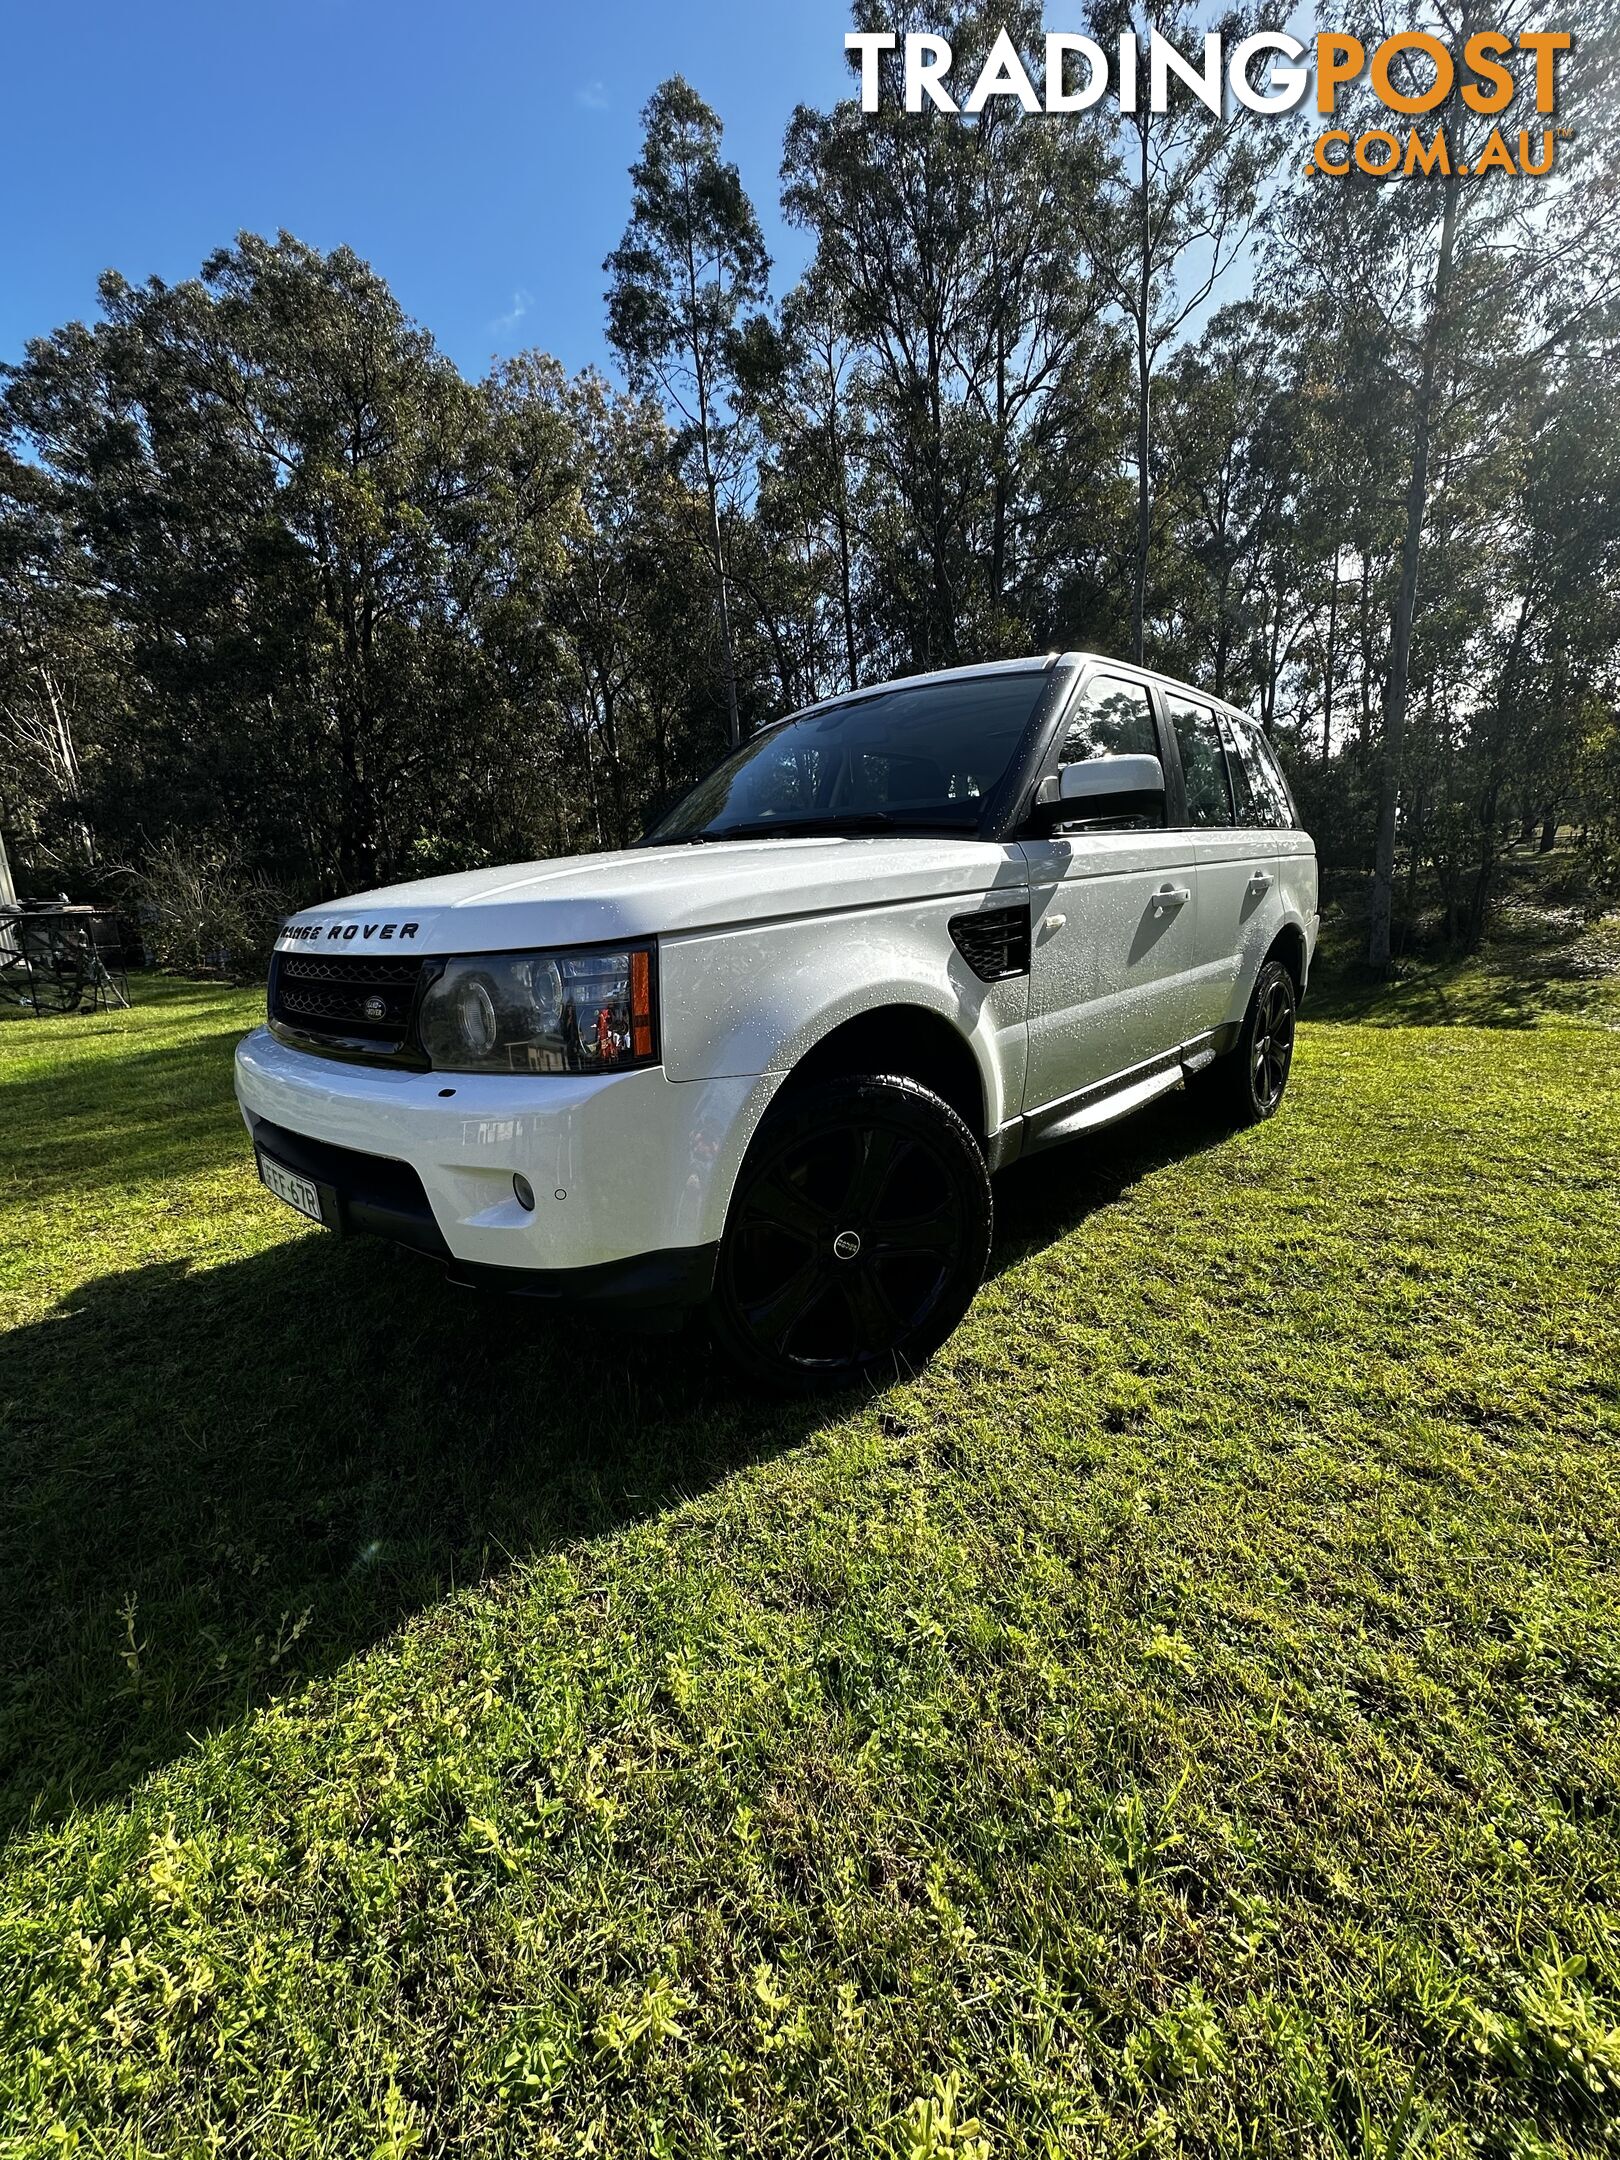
(1203, 762)
(1247, 802)
(1276, 805)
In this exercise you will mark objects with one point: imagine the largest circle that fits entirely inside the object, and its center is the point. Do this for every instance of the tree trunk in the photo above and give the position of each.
(1484, 877)
(1000, 488)
(723, 596)
(1144, 500)
(1364, 688)
(846, 595)
(1397, 683)
(1331, 661)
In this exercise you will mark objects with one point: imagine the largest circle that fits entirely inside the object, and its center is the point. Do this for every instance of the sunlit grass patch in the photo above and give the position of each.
(1184, 1718)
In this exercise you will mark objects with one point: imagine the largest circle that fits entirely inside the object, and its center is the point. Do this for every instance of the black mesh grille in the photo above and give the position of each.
(352, 998)
(995, 944)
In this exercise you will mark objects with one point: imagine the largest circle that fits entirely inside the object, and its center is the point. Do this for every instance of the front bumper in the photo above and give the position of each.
(631, 1172)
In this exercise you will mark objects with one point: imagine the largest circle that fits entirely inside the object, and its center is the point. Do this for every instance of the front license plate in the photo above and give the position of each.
(298, 1192)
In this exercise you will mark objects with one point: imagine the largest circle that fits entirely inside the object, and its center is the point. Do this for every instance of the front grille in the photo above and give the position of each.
(994, 943)
(327, 996)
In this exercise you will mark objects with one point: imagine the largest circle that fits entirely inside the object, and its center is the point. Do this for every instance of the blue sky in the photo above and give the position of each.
(476, 155)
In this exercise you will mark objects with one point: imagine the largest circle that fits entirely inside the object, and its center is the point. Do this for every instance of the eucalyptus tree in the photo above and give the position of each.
(1183, 192)
(1230, 467)
(950, 246)
(804, 384)
(61, 693)
(1471, 276)
(1550, 668)
(615, 612)
(284, 493)
(686, 276)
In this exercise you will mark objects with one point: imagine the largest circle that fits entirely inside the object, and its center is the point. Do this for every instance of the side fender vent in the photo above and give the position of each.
(994, 943)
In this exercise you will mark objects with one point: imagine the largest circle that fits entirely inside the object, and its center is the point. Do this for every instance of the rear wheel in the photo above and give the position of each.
(858, 1233)
(1255, 1074)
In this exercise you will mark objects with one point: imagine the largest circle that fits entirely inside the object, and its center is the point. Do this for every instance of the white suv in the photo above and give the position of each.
(768, 1059)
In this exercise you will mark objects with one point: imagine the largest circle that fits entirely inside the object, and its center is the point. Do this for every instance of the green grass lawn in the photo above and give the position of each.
(1183, 1720)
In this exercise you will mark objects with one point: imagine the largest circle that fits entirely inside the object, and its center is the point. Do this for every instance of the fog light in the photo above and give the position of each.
(523, 1190)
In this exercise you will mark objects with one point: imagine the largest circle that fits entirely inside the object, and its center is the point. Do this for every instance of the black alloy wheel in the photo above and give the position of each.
(858, 1233)
(1257, 1070)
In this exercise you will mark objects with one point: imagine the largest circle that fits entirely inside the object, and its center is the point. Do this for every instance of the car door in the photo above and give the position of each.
(1113, 916)
(1236, 858)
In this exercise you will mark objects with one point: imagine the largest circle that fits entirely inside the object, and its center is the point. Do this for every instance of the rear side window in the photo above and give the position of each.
(1203, 761)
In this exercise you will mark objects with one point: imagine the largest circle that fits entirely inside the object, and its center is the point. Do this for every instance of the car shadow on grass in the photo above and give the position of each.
(1045, 1196)
(221, 1483)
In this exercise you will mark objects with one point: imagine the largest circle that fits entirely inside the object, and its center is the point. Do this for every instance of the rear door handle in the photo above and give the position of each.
(1260, 882)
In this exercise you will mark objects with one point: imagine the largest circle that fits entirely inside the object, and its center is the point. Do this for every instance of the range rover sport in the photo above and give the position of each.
(768, 1060)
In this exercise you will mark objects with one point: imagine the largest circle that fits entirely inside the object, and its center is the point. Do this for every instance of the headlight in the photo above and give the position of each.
(588, 1010)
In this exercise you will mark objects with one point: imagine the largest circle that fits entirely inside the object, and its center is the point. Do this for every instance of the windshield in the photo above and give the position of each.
(912, 758)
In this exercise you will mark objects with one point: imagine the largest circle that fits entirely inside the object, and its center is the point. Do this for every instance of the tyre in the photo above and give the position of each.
(857, 1235)
(1254, 1075)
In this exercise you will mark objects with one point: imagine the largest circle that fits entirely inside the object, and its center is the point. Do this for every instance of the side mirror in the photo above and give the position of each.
(1105, 787)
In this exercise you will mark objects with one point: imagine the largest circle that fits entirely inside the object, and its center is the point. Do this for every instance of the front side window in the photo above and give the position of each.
(921, 757)
(1111, 718)
(1203, 762)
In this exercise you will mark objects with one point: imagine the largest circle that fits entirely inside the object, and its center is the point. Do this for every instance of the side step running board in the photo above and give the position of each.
(1108, 1107)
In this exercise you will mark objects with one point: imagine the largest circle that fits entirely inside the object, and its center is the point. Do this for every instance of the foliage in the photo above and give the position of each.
(690, 267)
(1189, 1705)
(201, 909)
(273, 573)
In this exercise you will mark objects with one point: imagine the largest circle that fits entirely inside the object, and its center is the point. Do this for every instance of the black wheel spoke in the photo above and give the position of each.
(782, 1205)
(919, 1236)
(773, 1318)
(876, 1325)
(880, 1152)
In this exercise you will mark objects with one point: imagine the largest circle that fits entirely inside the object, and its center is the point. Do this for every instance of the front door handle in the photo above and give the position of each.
(1169, 896)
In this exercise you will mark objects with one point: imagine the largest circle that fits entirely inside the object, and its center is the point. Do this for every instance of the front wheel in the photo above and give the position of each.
(858, 1233)
(1255, 1074)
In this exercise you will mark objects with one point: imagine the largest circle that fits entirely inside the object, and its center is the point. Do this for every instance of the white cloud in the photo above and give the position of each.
(593, 96)
(521, 302)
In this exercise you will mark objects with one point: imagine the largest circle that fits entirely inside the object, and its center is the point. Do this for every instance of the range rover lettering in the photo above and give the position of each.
(768, 1060)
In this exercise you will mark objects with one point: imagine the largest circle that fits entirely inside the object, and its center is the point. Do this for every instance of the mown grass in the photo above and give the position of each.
(1184, 1719)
